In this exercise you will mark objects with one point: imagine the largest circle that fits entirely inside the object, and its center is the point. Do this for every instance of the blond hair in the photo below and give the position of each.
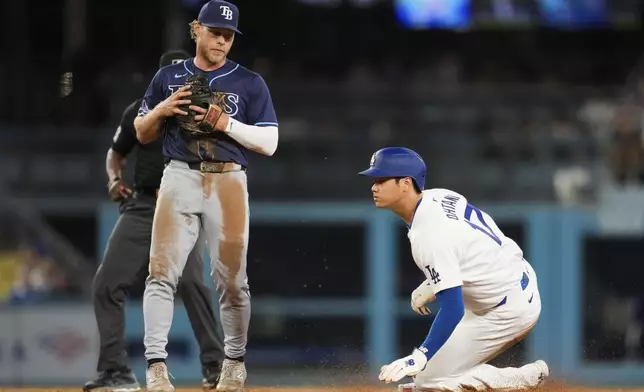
(192, 25)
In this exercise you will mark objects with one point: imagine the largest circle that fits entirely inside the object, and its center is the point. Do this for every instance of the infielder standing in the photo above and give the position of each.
(204, 187)
(126, 260)
(488, 294)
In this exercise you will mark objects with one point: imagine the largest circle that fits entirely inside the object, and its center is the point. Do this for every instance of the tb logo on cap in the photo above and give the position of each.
(226, 12)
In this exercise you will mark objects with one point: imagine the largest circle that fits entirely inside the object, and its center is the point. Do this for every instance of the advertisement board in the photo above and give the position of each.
(47, 345)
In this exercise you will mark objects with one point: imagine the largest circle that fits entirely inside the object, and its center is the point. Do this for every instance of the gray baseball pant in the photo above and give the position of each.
(191, 201)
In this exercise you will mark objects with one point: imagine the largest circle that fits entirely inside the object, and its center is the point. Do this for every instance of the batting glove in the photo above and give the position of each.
(409, 366)
(420, 297)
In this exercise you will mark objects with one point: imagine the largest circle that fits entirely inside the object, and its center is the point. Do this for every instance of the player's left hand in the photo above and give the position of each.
(420, 297)
(221, 119)
(408, 366)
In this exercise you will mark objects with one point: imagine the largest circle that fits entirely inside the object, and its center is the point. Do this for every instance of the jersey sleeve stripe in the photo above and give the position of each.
(266, 124)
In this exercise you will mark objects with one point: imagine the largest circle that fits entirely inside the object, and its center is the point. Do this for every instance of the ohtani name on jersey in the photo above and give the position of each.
(448, 204)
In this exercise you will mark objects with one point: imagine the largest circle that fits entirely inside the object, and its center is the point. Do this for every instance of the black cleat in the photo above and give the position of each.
(211, 373)
(122, 380)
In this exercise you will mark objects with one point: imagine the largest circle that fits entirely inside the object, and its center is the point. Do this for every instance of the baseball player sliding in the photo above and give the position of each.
(487, 291)
(204, 184)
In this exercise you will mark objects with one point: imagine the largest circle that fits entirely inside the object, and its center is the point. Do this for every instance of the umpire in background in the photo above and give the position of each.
(126, 259)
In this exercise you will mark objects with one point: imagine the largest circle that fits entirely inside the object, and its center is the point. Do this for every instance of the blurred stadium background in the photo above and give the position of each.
(531, 108)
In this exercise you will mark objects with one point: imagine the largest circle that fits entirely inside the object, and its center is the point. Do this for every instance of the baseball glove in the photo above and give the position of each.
(203, 97)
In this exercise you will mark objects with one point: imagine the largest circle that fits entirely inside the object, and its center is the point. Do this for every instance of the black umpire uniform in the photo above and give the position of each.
(125, 266)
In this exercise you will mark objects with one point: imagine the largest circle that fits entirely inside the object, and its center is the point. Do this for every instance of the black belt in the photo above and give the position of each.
(216, 167)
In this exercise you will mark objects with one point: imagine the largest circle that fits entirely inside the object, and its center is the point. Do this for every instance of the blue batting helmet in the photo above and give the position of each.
(397, 162)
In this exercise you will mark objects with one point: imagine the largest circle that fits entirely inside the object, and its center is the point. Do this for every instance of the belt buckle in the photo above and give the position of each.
(211, 167)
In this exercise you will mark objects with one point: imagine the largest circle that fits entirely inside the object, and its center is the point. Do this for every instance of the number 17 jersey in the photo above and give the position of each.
(456, 244)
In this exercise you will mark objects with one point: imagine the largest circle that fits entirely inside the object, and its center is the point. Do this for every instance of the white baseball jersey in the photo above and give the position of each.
(456, 244)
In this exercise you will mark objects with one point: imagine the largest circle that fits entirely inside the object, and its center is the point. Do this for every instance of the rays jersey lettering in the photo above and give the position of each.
(227, 101)
(241, 93)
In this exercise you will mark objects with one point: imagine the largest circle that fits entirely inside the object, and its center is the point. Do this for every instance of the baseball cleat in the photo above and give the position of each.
(157, 379)
(233, 376)
(117, 380)
(544, 371)
(211, 375)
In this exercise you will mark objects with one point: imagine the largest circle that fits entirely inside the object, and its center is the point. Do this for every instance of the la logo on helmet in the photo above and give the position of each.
(373, 160)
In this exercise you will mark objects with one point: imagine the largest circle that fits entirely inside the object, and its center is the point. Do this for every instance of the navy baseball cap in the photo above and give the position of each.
(173, 57)
(219, 13)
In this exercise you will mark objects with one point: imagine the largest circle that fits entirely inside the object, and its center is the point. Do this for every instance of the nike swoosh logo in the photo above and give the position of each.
(179, 76)
(531, 297)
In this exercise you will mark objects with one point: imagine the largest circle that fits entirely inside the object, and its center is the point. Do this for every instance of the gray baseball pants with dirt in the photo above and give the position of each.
(191, 202)
(124, 269)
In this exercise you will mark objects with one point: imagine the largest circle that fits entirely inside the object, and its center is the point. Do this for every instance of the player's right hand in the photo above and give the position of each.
(170, 106)
(118, 190)
(420, 297)
(408, 366)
